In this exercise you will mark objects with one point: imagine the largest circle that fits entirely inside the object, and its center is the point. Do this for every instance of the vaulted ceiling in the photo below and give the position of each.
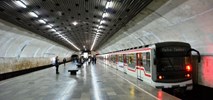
(76, 24)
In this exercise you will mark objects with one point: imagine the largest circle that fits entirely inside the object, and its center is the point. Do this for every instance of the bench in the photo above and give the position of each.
(73, 71)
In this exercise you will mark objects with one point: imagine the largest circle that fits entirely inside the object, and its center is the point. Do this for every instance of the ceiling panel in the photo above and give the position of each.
(60, 15)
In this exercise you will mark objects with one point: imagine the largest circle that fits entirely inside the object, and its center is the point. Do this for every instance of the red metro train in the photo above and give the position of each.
(162, 65)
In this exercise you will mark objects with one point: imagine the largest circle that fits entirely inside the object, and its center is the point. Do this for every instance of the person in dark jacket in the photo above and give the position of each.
(95, 60)
(56, 64)
(64, 61)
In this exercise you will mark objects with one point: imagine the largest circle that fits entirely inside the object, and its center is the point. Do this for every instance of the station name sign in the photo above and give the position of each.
(173, 49)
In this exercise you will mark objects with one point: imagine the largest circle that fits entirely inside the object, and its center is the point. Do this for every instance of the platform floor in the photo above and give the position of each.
(92, 82)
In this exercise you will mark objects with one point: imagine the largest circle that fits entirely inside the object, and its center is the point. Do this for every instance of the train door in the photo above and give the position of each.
(120, 62)
(125, 64)
(131, 64)
(139, 65)
(146, 66)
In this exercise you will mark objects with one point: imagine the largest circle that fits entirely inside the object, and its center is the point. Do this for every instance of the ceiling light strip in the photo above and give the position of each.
(20, 4)
(49, 26)
(105, 15)
(96, 36)
(109, 4)
(42, 21)
(33, 14)
(67, 40)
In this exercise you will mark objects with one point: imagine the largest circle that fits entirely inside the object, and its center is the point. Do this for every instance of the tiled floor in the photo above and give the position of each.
(92, 82)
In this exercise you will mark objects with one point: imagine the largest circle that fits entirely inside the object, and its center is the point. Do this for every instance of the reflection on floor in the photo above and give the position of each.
(92, 82)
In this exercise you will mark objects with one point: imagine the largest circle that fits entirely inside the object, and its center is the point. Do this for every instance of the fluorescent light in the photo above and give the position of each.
(96, 36)
(53, 30)
(105, 15)
(98, 30)
(20, 3)
(42, 21)
(102, 21)
(100, 26)
(109, 4)
(65, 38)
(33, 14)
(49, 26)
(69, 42)
(75, 23)
(73, 45)
(58, 33)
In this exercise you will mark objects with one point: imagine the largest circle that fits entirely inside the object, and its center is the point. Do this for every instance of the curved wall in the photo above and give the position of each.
(21, 49)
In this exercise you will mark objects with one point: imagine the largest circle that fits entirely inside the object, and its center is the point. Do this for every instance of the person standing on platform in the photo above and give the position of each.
(89, 60)
(95, 60)
(56, 64)
(64, 61)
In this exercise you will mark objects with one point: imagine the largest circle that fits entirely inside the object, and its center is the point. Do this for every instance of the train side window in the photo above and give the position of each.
(113, 58)
(144, 59)
(131, 60)
(148, 61)
(139, 59)
(120, 58)
(124, 58)
(116, 58)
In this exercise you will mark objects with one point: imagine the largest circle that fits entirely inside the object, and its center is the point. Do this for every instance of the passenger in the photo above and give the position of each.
(64, 61)
(56, 64)
(95, 60)
(89, 60)
(82, 60)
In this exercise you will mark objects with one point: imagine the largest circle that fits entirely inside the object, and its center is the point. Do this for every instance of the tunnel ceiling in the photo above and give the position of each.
(72, 22)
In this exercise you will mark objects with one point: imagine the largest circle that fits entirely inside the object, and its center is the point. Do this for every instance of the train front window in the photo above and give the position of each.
(172, 64)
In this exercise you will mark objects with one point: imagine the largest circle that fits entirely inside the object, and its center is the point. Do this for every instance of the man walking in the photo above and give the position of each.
(56, 64)
(64, 61)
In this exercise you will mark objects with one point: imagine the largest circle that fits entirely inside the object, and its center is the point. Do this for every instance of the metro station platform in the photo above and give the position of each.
(92, 82)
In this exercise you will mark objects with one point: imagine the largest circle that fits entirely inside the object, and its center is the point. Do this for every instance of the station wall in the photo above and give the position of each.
(21, 49)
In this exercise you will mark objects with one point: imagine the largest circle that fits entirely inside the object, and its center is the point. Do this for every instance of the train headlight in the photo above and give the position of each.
(188, 75)
(188, 68)
(160, 77)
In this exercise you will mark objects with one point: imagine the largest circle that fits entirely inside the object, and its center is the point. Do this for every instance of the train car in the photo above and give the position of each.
(161, 65)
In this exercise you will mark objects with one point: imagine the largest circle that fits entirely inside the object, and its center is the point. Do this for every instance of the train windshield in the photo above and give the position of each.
(172, 64)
